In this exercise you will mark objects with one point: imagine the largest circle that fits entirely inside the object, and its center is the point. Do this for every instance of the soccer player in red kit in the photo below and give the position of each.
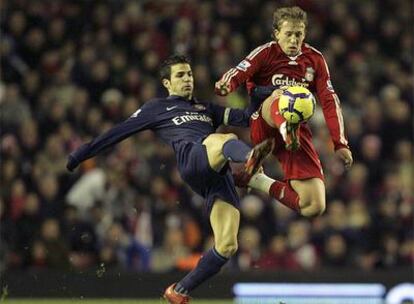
(288, 61)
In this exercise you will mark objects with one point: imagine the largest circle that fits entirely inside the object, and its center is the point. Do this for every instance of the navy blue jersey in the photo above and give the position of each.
(176, 120)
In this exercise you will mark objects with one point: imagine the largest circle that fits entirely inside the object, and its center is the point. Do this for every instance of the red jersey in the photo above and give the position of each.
(269, 65)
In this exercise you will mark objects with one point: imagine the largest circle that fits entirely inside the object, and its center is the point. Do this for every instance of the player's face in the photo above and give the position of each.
(181, 82)
(290, 37)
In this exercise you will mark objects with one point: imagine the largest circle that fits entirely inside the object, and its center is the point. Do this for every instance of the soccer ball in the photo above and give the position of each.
(297, 104)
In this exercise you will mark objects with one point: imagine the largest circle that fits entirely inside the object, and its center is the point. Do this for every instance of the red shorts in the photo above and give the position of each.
(301, 164)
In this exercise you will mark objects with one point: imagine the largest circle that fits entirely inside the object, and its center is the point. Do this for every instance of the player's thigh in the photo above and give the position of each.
(266, 111)
(260, 130)
(214, 146)
(310, 191)
(225, 222)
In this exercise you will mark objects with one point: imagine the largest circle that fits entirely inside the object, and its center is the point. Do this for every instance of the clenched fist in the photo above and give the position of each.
(222, 87)
(346, 156)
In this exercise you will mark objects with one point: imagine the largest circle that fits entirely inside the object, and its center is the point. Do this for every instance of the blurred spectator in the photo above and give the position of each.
(255, 212)
(249, 248)
(81, 238)
(298, 240)
(50, 201)
(121, 251)
(53, 158)
(173, 249)
(29, 139)
(335, 251)
(100, 219)
(336, 221)
(89, 189)
(7, 235)
(27, 227)
(278, 256)
(51, 250)
(390, 256)
(17, 199)
(10, 104)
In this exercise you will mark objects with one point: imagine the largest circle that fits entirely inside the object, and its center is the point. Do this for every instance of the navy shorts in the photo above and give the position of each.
(197, 173)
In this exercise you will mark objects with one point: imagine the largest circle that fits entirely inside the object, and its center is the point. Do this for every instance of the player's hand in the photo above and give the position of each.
(277, 93)
(346, 156)
(72, 163)
(222, 87)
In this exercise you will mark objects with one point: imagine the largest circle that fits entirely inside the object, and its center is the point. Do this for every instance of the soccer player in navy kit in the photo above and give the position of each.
(188, 125)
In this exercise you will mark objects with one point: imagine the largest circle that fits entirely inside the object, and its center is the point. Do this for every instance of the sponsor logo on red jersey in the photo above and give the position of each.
(282, 80)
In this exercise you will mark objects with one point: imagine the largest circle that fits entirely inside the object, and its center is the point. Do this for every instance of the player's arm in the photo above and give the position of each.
(332, 111)
(238, 75)
(236, 117)
(137, 122)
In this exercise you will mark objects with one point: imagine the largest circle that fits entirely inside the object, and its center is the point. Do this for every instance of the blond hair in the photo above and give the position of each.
(293, 13)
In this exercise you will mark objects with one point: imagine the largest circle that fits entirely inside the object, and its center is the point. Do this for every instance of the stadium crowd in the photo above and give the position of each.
(71, 69)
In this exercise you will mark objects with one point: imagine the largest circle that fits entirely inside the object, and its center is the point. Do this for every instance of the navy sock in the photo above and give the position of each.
(236, 150)
(209, 264)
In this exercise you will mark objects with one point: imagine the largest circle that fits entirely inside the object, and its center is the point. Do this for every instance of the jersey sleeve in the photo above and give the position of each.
(330, 104)
(217, 114)
(235, 117)
(141, 120)
(246, 68)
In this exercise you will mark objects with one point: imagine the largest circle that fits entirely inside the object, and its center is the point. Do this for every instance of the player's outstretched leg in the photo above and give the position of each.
(291, 134)
(281, 191)
(222, 148)
(257, 155)
(253, 164)
(225, 245)
(174, 297)
(289, 131)
(306, 197)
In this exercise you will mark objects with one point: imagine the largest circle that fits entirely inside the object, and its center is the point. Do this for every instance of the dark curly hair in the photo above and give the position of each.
(165, 68)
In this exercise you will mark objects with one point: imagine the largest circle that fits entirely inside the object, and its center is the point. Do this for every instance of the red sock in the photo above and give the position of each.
(284, 193)
(277, 118)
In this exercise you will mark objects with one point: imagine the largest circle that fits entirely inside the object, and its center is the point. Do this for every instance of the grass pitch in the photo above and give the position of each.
(106, 301)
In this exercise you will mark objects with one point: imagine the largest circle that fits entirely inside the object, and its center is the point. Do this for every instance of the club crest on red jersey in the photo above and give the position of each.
(309, 74)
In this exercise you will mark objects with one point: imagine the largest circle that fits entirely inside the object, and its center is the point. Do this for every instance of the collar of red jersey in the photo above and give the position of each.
(291, 57)
(294, 57)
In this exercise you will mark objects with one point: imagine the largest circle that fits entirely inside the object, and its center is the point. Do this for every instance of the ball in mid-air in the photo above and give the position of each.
(297, 104)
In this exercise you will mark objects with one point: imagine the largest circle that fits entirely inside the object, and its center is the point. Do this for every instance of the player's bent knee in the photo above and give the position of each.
(316, 208)
(217, 139)
(230, 136)
(227, 249)
(319, 208)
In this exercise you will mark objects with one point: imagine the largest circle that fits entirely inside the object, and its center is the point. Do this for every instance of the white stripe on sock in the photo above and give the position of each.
(261, 182)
